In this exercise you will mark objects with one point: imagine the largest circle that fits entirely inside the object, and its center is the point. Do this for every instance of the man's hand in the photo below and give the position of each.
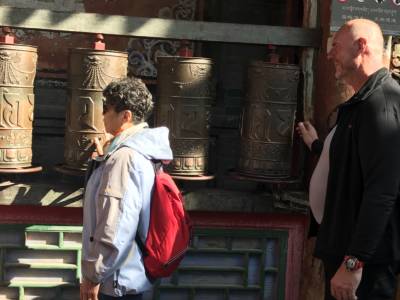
(89, 290)
(307, 132)
(345, 283)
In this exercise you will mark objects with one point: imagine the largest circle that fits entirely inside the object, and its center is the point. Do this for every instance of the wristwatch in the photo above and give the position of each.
(352, 263)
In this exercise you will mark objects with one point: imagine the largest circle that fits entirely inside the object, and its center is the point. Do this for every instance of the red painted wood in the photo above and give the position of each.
(294, 224)
(28, 214)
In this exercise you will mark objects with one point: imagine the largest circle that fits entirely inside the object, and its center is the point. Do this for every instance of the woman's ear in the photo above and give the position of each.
(127, 116)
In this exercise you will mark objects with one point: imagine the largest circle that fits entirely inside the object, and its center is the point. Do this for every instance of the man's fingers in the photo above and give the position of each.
(81, 293)
(301, 128)
(352, 295)
(343, 294)
(83, 296)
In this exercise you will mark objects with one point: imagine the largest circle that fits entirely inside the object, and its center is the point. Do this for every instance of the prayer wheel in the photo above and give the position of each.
(268, 120)
(90, 71)
(184, 96)
(17, 73)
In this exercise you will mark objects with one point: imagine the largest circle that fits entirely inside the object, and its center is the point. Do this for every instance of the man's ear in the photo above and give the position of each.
(361, 45)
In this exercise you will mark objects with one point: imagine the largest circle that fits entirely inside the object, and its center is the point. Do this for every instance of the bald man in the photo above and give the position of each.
(356, 190)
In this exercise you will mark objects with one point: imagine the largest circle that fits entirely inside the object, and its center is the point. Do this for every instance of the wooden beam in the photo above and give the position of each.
(42, 19)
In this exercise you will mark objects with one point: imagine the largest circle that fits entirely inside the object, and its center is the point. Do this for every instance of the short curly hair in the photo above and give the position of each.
(129, 94)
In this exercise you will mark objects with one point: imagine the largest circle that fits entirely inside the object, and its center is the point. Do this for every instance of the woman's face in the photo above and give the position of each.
(113, 121)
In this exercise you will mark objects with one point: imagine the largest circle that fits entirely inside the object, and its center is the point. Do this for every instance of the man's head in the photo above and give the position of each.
(127, 102)
(357, 50)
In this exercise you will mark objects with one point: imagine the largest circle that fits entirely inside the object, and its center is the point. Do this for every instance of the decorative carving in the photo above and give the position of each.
(10, 69)
(96, 77)
(10, 157)
(200, 85)
(19, 138)
(17, 72)
(184, 10)
(78, 152)
(183, 105)
(395, 62)
(268, 119)
(90, 72)
(7, 69)
(144, 53)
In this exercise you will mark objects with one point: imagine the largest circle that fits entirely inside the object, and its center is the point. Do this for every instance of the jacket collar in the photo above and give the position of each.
(374, 81)
(118, 140)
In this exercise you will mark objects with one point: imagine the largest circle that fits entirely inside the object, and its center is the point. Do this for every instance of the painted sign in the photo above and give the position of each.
(385, 12)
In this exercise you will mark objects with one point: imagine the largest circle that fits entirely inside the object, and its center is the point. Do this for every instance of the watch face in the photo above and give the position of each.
(351, 263)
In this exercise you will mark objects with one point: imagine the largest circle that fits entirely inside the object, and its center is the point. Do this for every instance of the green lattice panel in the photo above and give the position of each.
(230, 264)
(40, 262)
(43, 262)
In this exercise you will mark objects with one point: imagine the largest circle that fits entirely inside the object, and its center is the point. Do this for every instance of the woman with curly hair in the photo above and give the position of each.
(118, 193)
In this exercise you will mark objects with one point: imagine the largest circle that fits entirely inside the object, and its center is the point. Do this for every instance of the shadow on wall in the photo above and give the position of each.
(47, 189)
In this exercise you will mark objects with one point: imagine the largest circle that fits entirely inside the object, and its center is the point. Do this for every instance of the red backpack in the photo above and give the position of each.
(169, 232)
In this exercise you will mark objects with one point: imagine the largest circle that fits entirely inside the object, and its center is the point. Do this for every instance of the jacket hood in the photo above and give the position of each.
(152, 143)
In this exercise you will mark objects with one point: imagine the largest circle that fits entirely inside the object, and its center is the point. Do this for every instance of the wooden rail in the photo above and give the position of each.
(42, 19)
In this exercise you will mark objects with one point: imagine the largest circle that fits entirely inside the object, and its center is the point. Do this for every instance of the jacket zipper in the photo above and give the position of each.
(115, 282)
(179, 255)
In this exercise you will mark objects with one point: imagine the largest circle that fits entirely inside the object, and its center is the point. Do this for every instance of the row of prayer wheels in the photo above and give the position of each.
(184, 95)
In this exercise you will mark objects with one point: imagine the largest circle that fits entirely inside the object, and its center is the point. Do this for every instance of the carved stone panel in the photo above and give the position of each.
(185, 91)
(17, 73)
(395, 59)
(89, 73)
(268, 120)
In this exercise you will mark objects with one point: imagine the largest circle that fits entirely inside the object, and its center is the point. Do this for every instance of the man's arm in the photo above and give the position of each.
(378, 148)
(310, 137)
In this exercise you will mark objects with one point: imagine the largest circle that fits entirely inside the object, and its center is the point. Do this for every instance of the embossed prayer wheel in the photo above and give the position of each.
(185, 92)
(268, 120)
(90, 71)
(17, 73)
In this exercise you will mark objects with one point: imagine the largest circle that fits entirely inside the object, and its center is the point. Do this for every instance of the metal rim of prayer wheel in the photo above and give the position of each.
(17, 74)
(266, 130)
(184, 96)
(90, 71)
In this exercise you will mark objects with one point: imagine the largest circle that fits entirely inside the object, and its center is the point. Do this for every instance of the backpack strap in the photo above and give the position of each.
(140, 244)
(142, 248)
(93, 164)
(157, 165)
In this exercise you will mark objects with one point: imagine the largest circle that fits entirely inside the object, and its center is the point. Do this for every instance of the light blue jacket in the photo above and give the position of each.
(116, 206)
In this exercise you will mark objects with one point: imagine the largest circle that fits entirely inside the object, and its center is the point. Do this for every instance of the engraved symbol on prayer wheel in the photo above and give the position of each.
(268, 120)
(185, 91)
(17, 73)
(90, 71)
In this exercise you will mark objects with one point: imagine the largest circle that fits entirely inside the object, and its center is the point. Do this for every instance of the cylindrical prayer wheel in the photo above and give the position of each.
(268, 120)
(17, 73)
(185, 91)
(90, 71)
